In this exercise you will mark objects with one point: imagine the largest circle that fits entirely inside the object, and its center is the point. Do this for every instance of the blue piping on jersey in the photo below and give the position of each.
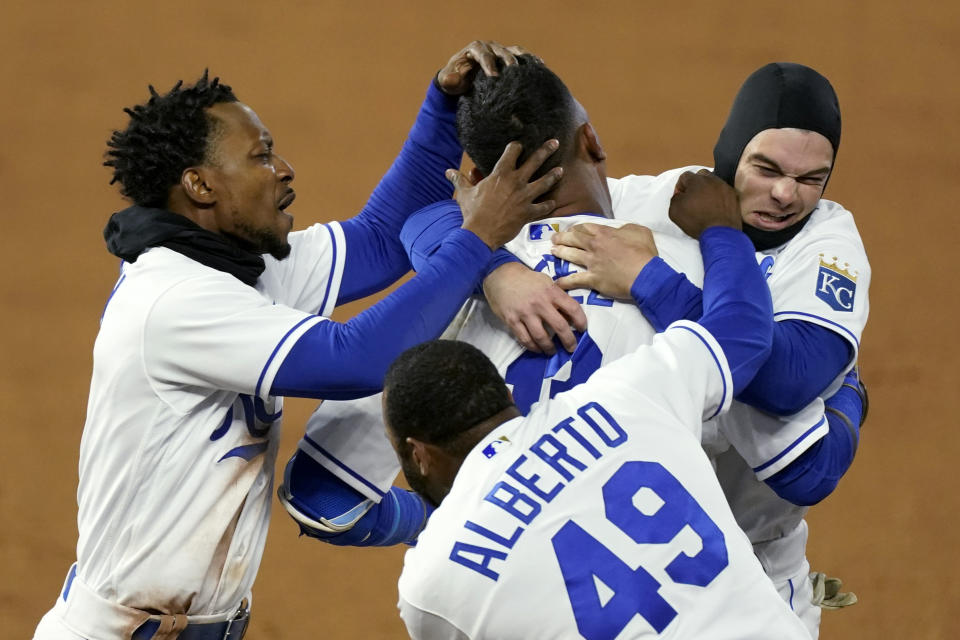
(353, 474)
(333, 270)
(806, 433)
(838, 327)
(110, 297)
(790, 582)
(723, 378)
(263, 373)
(70, 577)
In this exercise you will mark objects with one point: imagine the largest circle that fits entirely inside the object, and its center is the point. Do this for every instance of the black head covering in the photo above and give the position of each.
(779, 95)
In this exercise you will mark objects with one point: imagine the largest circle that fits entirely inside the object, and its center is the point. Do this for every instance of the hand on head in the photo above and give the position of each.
(457, 75)
(497, 207)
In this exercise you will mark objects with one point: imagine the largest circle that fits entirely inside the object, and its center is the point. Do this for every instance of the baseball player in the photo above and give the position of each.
(334, 448)
(219, 311)
(598, 514)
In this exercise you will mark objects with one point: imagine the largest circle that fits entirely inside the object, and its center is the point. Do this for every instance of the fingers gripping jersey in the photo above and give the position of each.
(598, 513)
(177, 457)
(615, 327)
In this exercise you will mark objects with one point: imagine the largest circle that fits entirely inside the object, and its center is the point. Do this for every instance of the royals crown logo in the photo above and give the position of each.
(833, 264)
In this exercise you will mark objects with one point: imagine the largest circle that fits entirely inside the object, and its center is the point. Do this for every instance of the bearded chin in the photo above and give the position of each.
(417, 482)
(264, 241)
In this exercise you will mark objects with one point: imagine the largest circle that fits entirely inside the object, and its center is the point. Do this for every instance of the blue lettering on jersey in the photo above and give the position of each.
(583, 559)
(258, 422)
(766, 267)
(580, 440)
(835, 285)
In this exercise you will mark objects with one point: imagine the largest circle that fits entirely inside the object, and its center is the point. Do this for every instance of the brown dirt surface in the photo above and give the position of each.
(338, 84)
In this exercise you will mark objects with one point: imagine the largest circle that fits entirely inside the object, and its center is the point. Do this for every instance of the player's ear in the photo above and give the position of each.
(420, 453)
(589, 141)
(196, 184)
(475, 175)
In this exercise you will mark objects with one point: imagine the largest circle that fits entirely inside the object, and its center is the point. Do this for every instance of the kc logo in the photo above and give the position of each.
(835, 284)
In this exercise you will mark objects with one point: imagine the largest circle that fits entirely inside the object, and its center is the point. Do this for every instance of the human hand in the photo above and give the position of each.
(702, 200)
(612, 257)
(457, 76)
(531, 305)
(497, 207)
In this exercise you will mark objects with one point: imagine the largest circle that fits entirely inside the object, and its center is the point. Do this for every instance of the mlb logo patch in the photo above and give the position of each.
(540, 231)
(835, 284)
(494, 447)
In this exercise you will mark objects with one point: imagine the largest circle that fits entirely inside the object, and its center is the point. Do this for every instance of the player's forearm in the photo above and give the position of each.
(665, 296)
(804, 359)
(374, 257)
(815, 473)
(328, 509)
(341, 361)
(737, 309)
(425, 230)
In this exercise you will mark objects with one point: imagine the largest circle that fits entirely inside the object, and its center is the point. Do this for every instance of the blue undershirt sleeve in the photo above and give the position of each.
(665, 296)
(424, 231)
(315, 492)
(375, 258)
(815, 473)
(804, 360)
(735, 295)
(341, 361)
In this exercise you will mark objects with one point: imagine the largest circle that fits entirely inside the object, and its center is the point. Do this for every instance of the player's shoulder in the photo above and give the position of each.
(638, 184)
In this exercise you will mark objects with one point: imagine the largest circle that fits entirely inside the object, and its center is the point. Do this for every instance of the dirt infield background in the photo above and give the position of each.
(338, 86)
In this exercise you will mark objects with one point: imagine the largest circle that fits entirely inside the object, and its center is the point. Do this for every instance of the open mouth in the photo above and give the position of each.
(766, 219)
(287, 200)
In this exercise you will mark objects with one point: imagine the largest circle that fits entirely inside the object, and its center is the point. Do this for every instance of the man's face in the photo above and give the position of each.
(781, 176)
(250, 181)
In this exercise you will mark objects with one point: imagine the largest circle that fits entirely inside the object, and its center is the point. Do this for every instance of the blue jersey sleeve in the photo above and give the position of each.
(425, 230)
(398, 518)
(735, 295)
(804, 360)
(665, 296)
(815, 473)
(341, 361)
(374, 257)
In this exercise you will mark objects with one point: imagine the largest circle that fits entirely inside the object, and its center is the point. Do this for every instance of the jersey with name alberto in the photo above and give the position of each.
(598, 514)
(178, 451)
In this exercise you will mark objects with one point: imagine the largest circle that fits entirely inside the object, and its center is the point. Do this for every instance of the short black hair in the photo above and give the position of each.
(527, 102)
(165, 135)
(437, 390)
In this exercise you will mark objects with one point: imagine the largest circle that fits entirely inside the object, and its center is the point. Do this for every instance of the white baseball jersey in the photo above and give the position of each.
(598, 514)
(178, 451)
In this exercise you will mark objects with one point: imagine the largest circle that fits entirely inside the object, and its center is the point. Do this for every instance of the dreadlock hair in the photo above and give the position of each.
(527, 102)
(165, 136)
(437, 390)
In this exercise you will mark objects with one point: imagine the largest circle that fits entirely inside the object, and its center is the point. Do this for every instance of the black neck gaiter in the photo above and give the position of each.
(130, 232)
(779, 95)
